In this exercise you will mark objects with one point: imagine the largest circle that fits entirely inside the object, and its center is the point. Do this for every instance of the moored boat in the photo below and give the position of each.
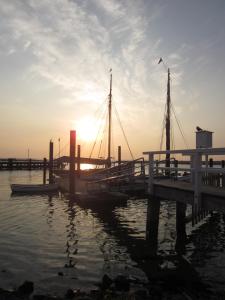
(34, 188)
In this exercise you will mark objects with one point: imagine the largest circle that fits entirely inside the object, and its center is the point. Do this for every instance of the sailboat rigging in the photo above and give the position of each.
(168, 102)
(167, 119)
(108, 129)
(110, 122)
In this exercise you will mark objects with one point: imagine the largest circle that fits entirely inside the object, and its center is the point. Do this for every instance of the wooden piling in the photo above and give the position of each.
(72, 161)
(44, 170)
(223, 175)
(51, 162)
(29, 164)
(119, 155)
(152, 224)
(157, 167)
(176, 166)
(180, 227)
(10, 163)
(211, 163)
(78, 161)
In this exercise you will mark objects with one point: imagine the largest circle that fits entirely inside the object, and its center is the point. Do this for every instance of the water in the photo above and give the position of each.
(43, 235)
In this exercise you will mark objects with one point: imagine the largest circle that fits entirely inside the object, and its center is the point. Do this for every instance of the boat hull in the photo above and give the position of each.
(34, 188)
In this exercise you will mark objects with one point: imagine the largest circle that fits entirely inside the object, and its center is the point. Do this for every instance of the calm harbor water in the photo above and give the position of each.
(43, 235)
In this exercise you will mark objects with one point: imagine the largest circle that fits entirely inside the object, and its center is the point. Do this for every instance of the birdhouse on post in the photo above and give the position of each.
(203, 138)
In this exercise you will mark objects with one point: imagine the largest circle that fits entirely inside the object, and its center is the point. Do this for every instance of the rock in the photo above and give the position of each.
(39, 297)
(70, 294)
(26, 288)
(96, 294)
(7, 295)
(141, 294)
(106, 282)
(43, 297)
(122, 283)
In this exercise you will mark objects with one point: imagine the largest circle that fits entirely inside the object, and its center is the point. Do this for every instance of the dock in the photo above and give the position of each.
(23, 164)
(202, 186)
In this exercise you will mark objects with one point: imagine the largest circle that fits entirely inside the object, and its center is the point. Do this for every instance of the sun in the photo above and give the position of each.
(86, 129)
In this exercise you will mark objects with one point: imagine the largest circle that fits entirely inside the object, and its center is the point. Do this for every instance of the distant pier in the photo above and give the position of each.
(23, 164)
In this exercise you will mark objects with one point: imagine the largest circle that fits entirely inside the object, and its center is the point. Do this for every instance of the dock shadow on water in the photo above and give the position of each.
(61, 243)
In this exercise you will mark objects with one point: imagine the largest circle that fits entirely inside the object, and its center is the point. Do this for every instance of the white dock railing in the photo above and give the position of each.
(196, 167)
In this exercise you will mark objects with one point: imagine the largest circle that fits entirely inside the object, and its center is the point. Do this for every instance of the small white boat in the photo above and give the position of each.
(34, 188)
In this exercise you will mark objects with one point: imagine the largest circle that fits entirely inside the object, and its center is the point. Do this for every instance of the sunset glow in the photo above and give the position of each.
(87, 129)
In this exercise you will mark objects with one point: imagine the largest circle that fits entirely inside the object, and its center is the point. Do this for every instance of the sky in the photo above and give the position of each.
(55, 57)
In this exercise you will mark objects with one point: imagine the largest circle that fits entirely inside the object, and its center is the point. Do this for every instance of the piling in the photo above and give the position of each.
(223, 175)
(176, 166)
(44, 170)
(51, 162)
(72, 161)
(211, 163)
(119, 155)
(157, 167)
(180, 227)
(152, 224)
(29, 164)
(78, 161)
(10, 163)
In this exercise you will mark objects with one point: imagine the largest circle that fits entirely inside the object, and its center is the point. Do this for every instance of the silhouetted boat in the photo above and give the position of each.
(34, 188)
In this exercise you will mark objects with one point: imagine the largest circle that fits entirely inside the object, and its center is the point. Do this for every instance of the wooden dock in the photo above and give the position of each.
(23, 164)
(204, 187)
(170, 189)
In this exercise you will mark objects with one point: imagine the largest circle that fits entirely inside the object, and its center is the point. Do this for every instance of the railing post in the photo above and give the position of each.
(151, 173)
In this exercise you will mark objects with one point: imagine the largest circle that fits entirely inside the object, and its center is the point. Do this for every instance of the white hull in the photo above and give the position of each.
(34, 188)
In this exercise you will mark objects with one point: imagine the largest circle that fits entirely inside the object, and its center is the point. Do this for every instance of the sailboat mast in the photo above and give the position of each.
(110, 123)
(168, 121)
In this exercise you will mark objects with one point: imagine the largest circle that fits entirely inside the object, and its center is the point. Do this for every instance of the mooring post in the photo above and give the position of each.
(72, 161)
(119, 155)
(223, 175)
(78, 161)
(50, 162)
(151, 173)
(176, 167)
(29, 164)
(152, 224)
(44, 170)
(180, 227)
(10, 163)
(119, 158)
(211, 163)
(157, 167)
